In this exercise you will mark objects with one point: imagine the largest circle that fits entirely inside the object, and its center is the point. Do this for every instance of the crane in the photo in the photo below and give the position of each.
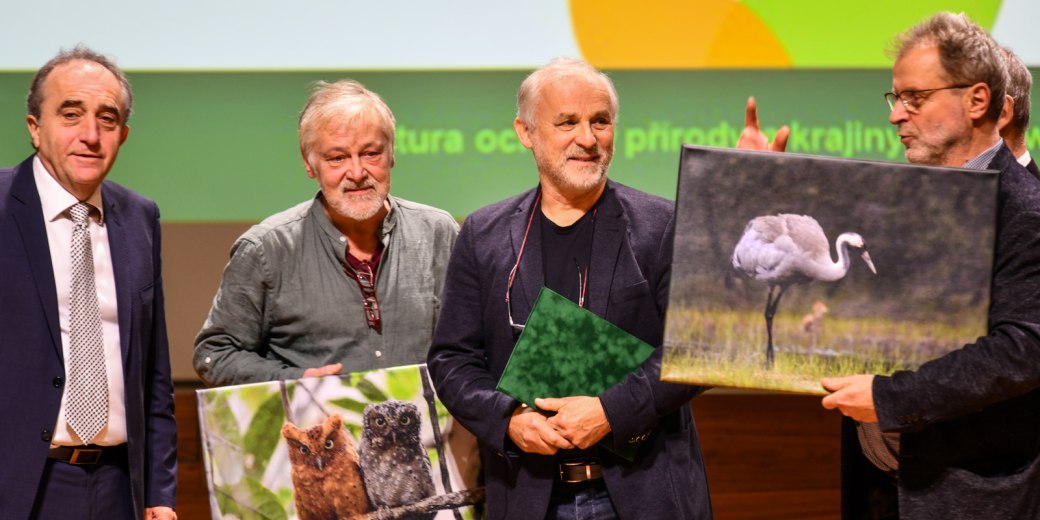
(785, 249)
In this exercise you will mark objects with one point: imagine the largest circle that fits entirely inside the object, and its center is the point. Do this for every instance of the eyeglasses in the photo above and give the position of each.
(366, 280)
(913, 99)
(583, 279)
(583, 283)
(519, 327)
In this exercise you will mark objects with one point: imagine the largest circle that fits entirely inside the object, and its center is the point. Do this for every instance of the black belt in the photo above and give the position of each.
(88, 455)
(576, 471)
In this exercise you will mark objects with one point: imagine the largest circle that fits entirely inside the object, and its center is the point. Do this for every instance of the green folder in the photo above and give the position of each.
(566, 350)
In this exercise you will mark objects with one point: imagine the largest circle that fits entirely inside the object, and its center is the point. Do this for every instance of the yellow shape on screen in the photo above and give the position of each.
(615, 34)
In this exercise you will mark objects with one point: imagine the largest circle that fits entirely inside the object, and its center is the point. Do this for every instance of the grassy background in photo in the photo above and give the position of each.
(727, 348)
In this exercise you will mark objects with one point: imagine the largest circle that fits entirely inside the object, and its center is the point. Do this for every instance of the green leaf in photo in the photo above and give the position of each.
(403, 384)
(264, 432)
(371, 391)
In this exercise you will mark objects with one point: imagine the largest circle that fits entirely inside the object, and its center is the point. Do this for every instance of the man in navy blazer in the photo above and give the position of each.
(79, 104)
(608, 248)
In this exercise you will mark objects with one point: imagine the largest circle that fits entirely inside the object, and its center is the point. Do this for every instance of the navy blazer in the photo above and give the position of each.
(32, 373)
(628, 285)
(970, 420)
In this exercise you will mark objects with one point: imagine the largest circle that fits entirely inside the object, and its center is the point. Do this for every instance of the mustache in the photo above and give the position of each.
(351, 185)
(592, 154)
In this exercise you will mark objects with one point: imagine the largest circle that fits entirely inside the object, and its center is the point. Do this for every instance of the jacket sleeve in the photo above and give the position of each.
(458, 356)
(232, 346)
(160, 425)
(997, 367)
(636, 406)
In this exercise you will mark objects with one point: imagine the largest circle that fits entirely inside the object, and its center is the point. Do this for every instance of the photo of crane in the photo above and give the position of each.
(788, 268)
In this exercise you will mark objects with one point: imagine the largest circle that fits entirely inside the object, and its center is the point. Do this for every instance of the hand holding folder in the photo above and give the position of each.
(566, 350)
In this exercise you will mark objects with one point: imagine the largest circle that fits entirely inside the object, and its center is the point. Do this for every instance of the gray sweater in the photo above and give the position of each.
(285, 302)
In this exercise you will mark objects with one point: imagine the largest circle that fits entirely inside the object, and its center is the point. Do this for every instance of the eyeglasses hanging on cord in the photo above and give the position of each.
(365, 277)
(583, 278)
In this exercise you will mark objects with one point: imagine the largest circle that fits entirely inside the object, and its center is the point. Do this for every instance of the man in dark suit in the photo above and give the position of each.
(608, 248)
(1014, 122)
(89, 431)
(961, 432)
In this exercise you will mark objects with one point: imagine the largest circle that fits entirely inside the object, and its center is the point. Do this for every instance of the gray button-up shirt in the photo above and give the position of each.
(286, 303)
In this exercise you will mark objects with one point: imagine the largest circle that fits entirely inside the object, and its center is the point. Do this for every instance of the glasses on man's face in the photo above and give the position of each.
(913, 99)
(366, 281)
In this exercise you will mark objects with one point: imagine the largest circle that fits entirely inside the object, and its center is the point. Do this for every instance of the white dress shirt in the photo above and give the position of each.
(56, 201)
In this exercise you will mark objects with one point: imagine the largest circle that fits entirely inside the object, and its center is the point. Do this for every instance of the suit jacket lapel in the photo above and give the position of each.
(529, 277)
(607, 237)
(119, 249)
(27, 213)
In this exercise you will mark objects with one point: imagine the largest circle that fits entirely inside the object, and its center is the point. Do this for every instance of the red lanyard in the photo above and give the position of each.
(583, 279)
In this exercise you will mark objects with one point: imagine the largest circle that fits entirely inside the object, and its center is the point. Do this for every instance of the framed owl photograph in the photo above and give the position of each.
(789, 268)
(374, 444)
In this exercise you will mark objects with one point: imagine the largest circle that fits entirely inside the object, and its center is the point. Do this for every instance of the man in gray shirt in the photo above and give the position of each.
(347, 281)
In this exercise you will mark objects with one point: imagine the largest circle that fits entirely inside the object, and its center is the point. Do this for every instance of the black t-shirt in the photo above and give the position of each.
(566, 252)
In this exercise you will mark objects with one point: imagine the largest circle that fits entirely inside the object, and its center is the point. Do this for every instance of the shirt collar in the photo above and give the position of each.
(55, 199)
(981, 161)
(1025, 159)
(389, 222)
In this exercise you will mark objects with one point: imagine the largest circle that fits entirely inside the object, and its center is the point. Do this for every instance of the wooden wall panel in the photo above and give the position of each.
(192, 494)
(774, 456)
(194, 256)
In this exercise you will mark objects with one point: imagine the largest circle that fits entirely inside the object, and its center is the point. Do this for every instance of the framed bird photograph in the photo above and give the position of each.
(788, 268)
(375, 444)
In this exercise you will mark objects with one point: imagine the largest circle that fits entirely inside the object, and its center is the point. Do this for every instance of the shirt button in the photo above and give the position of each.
(208, 359)
(379, 353)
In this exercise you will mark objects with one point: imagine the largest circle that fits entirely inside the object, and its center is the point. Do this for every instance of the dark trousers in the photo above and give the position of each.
(582, 501)
(95, 492)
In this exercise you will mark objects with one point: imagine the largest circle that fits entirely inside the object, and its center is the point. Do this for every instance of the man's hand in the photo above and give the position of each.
(532, 433)
(159, 513)
(581, 420)
(327, 370)
(752, 138)
(853, 395)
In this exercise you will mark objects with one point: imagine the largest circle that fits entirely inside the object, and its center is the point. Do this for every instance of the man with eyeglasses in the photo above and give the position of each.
(347, 281)
(958, 437)
(608, 248)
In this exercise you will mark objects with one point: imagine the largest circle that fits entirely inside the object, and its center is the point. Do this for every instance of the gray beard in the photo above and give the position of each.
(582, 183)
(358, 212)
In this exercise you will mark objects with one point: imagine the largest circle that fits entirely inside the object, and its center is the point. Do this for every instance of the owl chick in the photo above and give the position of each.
(394, 463)
(326, 477)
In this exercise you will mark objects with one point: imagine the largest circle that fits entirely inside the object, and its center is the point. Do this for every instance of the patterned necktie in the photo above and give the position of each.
(86, 404)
